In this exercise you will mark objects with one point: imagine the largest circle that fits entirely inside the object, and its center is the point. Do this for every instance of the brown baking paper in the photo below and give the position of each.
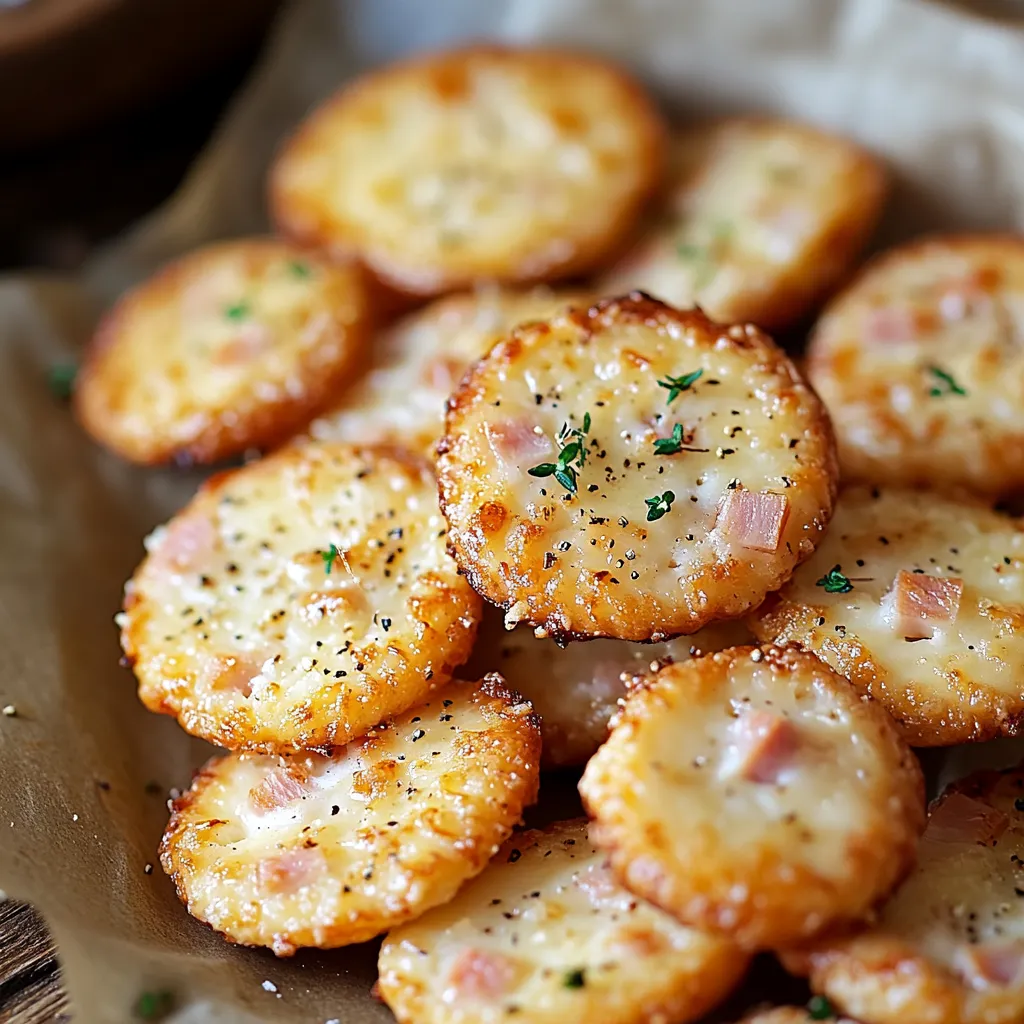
(84, 769)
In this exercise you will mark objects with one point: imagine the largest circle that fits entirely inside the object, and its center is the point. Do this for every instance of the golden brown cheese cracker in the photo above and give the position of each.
(921, 364)
(299, 601)
(576, 689)
(546, 936)
(232, 347)
(633, 471)
(317, 850)
(485, 163)
(762, 219)
(420, 360)
(753, 792)
(948, 948)
(919, 601)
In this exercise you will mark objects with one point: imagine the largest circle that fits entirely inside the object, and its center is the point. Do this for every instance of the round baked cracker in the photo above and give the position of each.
(547, 935)
(327, 851)
(921, 364)
(948, 948)
(753, 792)
(419, 361)
(948, 679)
(299, 601)
(576, 689)
(232, 347)
(484, 163)
(703, 466)
(762, 218)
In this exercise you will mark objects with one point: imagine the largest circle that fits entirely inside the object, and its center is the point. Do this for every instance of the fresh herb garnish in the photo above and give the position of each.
(658, 505)
(835, 582)
(329, 556)
(946, 384)
(571, 457)
(61, 380)
(297, 268)
(670, 445)
(154, 1005)
(819, 1008)
(574, 979)
(677, 385)
(703, 256)
(239, 311)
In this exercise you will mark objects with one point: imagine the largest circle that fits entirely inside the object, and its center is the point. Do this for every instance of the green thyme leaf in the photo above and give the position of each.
(239, 311)
(567, 478)
(819, 1008)
(689, 251)
(677, 385)
(572, 455)
(946, 384)
(835, 582)
(154, 1005)
(658, 505)
(299, 269)
(575, 979)
(61, 380)
(329, 556)
(670, 445)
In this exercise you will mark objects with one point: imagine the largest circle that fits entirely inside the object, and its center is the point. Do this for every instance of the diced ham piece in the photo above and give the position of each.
(993, 964)
(232, 672)
(483, 974)
(761, 746)
(290, 870)
(251, 341)
(639, 942)
(890, 324)
(517, 446)
(444, 373)
(753, 519)
(962, 819)
(598, 884)
(916, 605)
(280, 787)
(186, 545)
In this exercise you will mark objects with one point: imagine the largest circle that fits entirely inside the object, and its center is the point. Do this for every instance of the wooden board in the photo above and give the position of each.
(30, 988)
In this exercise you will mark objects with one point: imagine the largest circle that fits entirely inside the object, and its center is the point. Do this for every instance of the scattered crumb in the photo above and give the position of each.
(10, 710)
(148, 869)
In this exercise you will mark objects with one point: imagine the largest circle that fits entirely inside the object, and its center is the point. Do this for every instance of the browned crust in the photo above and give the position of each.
(760, 901)
(173, 694)
(883, 978)
(183, 834)
(641, 619)
(259, 423)
(301, 219)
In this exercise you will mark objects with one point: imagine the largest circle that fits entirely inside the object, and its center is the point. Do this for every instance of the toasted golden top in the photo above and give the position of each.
(633, 471)
(327, 851)
(481, 163)
(232, 347)
(762, 217)
(921, 364)
(299, 601)
(546, 935)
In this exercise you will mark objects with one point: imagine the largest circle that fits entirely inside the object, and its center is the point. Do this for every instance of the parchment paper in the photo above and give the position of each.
(84, 770)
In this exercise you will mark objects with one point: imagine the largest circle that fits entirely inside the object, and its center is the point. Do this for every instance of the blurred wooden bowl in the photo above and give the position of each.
(66, 65)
